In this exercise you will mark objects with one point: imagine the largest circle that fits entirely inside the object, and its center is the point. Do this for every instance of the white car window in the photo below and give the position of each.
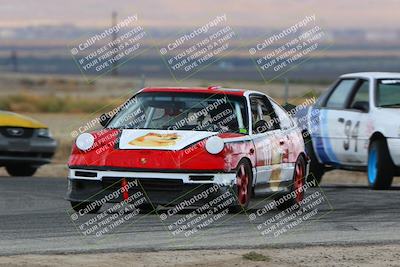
(284, 119)
(262, 110)
(388, 93)
(362, 94)
(340, 94)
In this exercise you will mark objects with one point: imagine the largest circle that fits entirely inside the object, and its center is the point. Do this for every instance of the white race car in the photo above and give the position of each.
(356, 126)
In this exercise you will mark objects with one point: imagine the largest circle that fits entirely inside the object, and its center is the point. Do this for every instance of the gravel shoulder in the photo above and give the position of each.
(362, 255)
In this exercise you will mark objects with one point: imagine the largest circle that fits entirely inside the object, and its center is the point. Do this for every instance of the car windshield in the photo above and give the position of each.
(183, 111)
(388, 93)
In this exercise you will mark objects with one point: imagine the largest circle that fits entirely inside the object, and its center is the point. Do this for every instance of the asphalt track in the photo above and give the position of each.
(34, 218)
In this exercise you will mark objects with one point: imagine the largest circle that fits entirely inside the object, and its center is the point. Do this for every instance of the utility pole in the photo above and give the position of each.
(114, 36)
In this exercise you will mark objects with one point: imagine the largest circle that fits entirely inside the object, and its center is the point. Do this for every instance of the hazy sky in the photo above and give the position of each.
(367, 14)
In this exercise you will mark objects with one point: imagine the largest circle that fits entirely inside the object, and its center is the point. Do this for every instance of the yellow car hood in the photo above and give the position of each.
(16, 120)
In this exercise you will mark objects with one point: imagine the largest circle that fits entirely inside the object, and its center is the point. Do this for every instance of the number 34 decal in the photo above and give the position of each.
(350, 132)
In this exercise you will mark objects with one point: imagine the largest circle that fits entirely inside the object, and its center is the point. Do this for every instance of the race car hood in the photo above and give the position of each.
(160, 139)
(17, 120)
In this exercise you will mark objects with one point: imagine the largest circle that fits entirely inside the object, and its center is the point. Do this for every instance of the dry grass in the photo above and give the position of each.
(255, 256)
(31, 103)
(76, 85)
(28, 102)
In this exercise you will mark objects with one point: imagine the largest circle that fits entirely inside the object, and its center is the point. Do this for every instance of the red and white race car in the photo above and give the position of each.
(172, 140)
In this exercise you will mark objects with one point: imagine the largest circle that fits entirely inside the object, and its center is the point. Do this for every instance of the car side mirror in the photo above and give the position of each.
(288, 107)
(104, 119)
(361, 105)
(262, 126)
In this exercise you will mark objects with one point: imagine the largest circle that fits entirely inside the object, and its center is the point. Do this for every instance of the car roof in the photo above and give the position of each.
(209, 90)
(372, 75)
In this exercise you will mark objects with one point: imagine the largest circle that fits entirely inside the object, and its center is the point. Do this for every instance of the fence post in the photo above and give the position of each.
(286, 96)
(142, 81)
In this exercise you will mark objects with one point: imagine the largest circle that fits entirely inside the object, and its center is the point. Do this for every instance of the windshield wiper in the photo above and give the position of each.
(390, 105)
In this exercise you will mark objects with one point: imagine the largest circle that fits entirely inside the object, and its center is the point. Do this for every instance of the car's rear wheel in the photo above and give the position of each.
(297, 187)
(380, 166)
(243, 186)
(77, 206)
(21, 170)
(316, 168)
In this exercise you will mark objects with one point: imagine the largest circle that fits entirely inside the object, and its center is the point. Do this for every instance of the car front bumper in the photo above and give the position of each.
(158, 187)
(34, 151)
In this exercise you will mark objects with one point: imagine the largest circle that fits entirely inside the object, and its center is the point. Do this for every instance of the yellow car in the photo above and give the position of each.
(25, 144)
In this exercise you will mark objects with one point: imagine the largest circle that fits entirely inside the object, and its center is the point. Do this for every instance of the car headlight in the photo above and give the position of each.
(43, 132)
(214, 145)
(85, 141)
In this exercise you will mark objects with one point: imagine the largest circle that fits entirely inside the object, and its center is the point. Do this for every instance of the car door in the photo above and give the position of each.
(289, 142)
(338, 124)
(355, 125)
(266, 136)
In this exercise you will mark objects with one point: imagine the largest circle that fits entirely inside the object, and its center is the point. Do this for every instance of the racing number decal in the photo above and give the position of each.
(350, 133)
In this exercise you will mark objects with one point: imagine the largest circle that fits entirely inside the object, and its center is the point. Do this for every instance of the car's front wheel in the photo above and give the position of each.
(380, 165)
(21, 170)
(90, 207)
(243, 186)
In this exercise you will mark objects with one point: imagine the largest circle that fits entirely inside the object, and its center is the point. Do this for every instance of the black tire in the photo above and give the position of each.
(317, 170)
(147, 208)
(77, 206)
(241, 204)
(380, 169)
(21, 170)
(298, 181)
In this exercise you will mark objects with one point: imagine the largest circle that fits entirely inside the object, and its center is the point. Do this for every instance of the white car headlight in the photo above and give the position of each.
(43, 132)
(85, 141)
(214, 145)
